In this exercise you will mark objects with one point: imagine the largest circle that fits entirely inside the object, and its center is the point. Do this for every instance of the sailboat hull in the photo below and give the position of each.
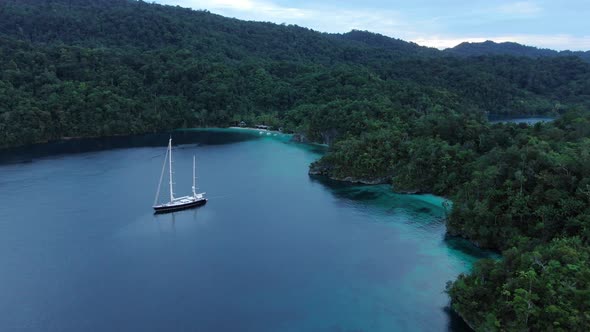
(177, 207)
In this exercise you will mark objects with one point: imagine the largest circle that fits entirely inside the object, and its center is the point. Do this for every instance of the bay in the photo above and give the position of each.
(273, 249)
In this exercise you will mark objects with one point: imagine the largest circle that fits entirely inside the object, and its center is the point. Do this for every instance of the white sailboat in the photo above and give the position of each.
(177, 203)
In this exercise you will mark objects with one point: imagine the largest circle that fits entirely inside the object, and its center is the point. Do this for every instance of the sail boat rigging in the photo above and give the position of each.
(177, 203)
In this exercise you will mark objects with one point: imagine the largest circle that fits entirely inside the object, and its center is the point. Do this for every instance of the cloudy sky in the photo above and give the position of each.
(552, 24)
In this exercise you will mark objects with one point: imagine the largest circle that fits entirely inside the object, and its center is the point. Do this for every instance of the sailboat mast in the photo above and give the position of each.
(161, 177)
(194, 178)
(170, 167)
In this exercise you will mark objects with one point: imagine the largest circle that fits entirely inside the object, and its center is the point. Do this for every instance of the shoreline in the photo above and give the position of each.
(250, 129)
(445, 203)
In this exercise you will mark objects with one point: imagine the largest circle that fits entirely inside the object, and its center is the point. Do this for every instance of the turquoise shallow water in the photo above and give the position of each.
(273, 250)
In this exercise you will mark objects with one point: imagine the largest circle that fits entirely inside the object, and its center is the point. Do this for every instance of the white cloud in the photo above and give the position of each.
(444, 42)
(387, 22)
(232, 4)
(318, 18)
(520, 8)
(556, 42)
(244, 9)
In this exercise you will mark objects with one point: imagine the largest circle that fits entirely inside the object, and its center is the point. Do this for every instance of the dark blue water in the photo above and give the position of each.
(273, 250)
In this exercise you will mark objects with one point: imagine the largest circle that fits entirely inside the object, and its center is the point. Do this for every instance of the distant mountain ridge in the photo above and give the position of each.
(141, 25)
(510, 48)
(175, 26)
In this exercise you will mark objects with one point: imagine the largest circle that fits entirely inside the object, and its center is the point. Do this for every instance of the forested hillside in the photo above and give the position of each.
(391, 110)
(96, 68)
